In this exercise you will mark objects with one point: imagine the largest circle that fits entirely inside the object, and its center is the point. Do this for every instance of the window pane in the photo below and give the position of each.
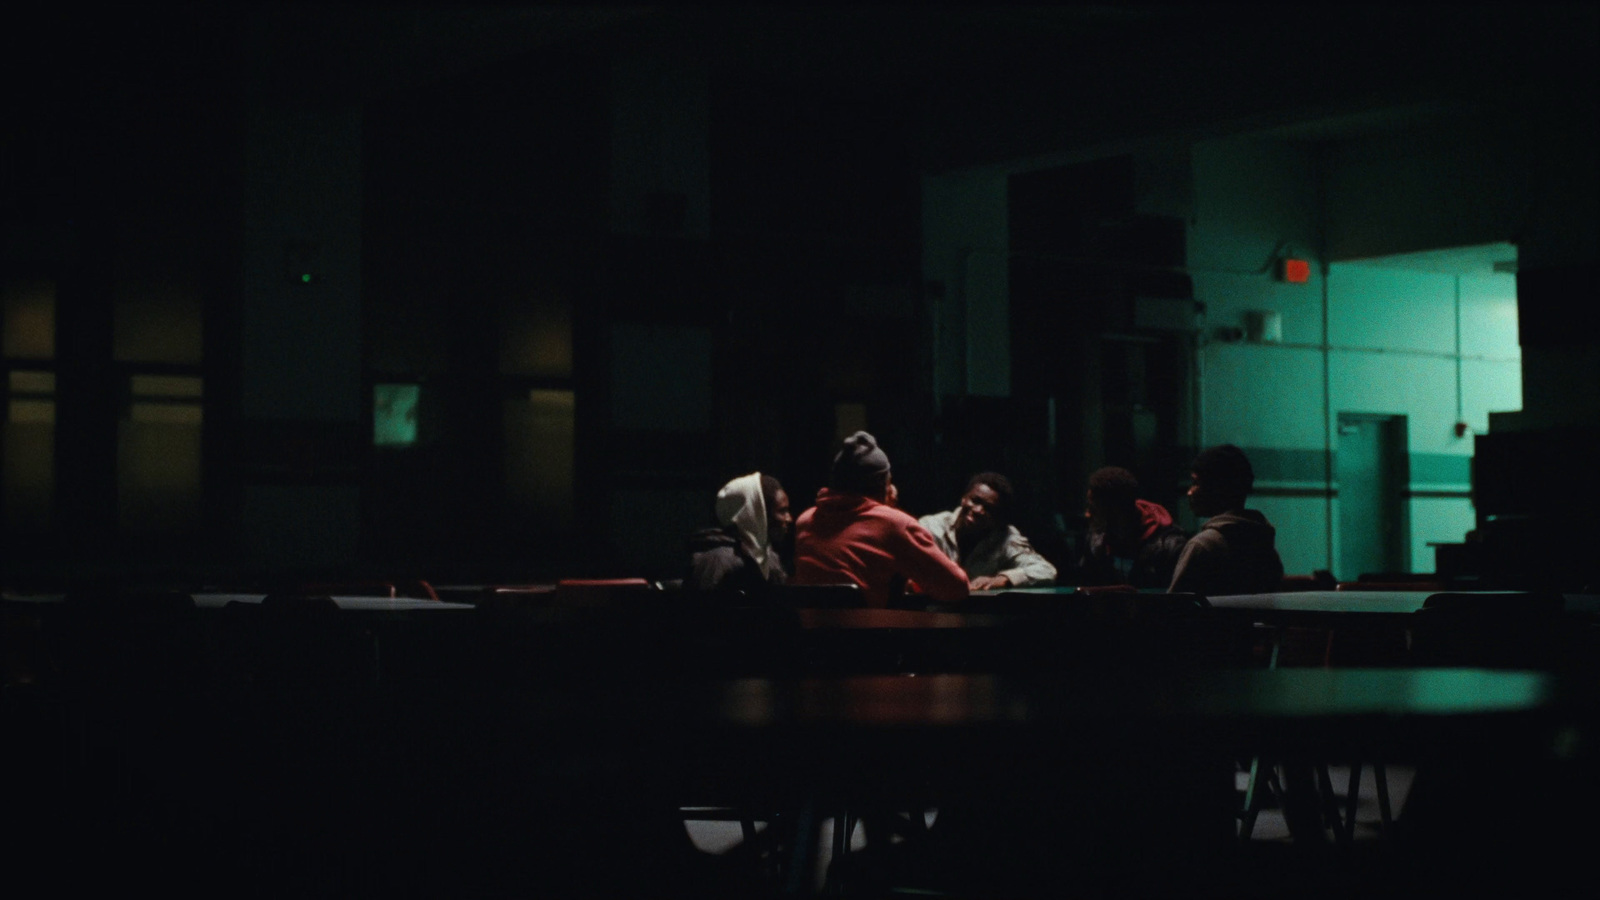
(168, 386)
(29, 477)
(540, 456)
(31, 383)
(166, 413)
(30, 318)
(31, 411)
(158, 469)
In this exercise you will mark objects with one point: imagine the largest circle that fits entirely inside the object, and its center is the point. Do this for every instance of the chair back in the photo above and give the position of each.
(1427, 586)
(1494, 630)
(597, 592)
(1122, 632)
(145, 636)
(513, 596)
(817, 596)
(1316, 581)
(1131, 607)
(1509, 605)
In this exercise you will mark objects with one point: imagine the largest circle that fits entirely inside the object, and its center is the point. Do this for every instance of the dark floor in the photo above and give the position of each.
(1278, 866)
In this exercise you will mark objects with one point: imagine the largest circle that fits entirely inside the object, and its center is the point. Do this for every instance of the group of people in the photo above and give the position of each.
(855, 533)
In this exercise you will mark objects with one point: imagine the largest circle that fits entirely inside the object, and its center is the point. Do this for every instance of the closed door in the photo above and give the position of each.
(1370, 468)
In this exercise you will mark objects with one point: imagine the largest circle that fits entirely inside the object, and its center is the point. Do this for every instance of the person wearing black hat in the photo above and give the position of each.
(854, 535)
(1234, 551)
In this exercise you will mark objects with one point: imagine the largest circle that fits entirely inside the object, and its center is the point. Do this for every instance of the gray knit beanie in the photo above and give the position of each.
(860, 467)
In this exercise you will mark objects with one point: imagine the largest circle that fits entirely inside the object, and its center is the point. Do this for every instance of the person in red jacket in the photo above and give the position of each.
(854, 535)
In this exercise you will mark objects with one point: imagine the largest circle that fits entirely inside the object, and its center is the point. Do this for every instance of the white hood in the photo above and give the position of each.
(741, 505)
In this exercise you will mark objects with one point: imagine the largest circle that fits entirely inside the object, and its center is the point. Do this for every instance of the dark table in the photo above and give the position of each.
(1130, 781)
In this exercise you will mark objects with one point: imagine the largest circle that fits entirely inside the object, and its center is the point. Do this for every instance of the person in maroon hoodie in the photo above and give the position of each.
(1130, 541)
(854, 535)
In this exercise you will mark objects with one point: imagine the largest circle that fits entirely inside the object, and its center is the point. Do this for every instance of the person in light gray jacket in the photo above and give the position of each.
(979, 537)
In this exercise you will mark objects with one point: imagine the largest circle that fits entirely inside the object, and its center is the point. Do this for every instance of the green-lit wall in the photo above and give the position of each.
(1358, 338)
(299, 364)
(1524, 175)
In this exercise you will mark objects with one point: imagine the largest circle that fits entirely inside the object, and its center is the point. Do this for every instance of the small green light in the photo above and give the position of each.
(306, 278)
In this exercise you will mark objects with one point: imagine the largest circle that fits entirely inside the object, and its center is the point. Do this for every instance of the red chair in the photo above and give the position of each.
(600, 591)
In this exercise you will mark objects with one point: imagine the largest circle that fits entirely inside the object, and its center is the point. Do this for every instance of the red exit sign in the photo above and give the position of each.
(1294, 271)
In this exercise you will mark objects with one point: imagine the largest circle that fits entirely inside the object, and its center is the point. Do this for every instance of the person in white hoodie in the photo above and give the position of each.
(1235, 551)
(741, 553)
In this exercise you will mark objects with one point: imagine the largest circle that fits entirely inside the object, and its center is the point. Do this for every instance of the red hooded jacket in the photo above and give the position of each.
(848, 538)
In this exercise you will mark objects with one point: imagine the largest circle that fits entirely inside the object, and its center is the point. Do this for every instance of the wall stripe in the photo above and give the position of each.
(1291, 473)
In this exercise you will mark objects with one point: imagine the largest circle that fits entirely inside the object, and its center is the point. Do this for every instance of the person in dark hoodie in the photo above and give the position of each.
(1130, 541)
(740, 555)
(855, 535)
(1234, 551)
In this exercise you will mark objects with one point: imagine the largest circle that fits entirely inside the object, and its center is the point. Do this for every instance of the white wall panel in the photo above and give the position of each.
(1302, 524)
(1440, 520)
(1489, 386)
(1489, 316)
(1421, 388)
(1390, 309)
(1262, 396)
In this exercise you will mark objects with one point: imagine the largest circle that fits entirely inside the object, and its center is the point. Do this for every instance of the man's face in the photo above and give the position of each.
(1202, 500)
(779, 519)
(1094, 512)
(977, 512)
(1119, 524)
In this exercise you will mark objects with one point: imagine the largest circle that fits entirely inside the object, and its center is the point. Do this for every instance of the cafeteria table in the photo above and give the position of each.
(1336, 607)
(354, 603)
(1107, 786)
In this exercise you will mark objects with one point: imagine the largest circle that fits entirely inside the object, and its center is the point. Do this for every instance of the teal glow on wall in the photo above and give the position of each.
(394, 414)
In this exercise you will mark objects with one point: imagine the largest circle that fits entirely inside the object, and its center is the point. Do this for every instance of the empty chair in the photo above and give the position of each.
(601, 591)
(1119, 632)
(1134, 607)
(1320, 580)
(1497, 630)
(1458, 804)
(151, 637)
(515, 596)
(816, 596)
